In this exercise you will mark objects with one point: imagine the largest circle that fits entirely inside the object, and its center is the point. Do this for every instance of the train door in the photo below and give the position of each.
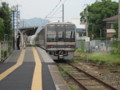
(60, 29)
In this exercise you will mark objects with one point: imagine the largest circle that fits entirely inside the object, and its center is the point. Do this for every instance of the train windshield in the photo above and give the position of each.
(60, 29)
(61, 33)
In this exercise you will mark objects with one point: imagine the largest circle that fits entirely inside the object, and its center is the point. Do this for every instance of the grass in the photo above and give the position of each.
(79, 51)
(113, 68)
(72, 88)
(4, 54)
(78, 59)
(63, 72)
(97, 57)
(104, 58)
(65, 75)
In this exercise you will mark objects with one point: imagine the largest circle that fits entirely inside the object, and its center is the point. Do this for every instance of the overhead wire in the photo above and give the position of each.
(53, 9)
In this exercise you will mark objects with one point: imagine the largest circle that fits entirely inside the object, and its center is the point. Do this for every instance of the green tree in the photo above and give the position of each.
(96, 13)
(1, 29)
(5, 14)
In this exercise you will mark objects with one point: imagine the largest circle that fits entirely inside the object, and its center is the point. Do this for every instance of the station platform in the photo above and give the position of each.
(30, 69)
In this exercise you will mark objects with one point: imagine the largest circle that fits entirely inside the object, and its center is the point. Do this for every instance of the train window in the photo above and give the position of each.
(51, 33)
(70, 36)
(51, 36)
(70, 33)
(60, 36)
(60, 32)
(60, 27)
(70, 27)
(51, 27)
(73, 36)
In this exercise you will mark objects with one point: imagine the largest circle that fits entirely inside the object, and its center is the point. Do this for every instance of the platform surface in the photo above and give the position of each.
(30, 69)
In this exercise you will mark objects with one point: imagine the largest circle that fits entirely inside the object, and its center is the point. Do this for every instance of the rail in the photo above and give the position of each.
(84, 80)
(98, 80)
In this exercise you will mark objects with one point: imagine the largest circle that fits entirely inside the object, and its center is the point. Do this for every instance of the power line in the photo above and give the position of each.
(56, 10)
(53, 9)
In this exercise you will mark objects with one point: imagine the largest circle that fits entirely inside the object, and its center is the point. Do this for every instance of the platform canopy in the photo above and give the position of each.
(28, 30)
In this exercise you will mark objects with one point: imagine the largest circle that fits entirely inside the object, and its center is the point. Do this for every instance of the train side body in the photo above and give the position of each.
(40, 39)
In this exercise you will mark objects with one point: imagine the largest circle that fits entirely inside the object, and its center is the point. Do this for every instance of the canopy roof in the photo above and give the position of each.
(29, 30)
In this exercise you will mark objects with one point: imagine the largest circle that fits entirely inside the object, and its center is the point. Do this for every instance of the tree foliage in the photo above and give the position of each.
(96, 13)
(5, 21)
(1, 29)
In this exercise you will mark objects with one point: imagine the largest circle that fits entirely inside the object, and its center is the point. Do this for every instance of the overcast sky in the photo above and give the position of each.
(41, 8)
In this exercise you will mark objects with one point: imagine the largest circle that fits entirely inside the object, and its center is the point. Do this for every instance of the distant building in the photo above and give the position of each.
(110, 31)
(80, 33)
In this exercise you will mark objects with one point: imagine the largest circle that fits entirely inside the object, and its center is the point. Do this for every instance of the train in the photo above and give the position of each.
(58, 39)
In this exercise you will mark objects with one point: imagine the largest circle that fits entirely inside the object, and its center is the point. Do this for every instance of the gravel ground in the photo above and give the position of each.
(102, 72)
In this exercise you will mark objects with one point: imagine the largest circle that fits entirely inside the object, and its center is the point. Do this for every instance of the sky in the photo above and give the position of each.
(41, 8)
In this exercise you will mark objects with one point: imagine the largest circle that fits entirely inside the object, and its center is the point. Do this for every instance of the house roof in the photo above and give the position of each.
(113, 18)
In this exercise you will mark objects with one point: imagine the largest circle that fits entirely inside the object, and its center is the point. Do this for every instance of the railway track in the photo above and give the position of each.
(85, 80)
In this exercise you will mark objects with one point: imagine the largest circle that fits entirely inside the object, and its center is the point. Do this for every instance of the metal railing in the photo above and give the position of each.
(6, 48)
(103, 46)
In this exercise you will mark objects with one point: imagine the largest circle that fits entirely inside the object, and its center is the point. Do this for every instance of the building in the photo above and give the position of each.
(80, 33)
(110, 31)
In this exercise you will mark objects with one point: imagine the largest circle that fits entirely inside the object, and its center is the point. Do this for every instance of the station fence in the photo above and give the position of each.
(6, 48)
(95, 46)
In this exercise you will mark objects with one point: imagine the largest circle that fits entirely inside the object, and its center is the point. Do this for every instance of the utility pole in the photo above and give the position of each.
(100, 33)
(15, 23)
(17, 19)
(86, 12)
(119, 22)
(62, 12)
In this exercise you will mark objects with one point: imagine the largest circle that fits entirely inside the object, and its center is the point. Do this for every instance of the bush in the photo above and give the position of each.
(79, 51)
(115, 47)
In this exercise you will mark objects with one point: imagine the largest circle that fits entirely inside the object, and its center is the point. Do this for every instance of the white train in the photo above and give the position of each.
(58, 39)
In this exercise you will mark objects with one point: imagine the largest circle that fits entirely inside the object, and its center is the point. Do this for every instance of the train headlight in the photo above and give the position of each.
(50, 46)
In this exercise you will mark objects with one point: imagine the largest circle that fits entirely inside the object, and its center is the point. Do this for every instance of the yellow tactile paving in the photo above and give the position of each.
(11, 69)
(37, 77)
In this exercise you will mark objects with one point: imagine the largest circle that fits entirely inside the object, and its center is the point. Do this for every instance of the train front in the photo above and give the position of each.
(61, 40)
